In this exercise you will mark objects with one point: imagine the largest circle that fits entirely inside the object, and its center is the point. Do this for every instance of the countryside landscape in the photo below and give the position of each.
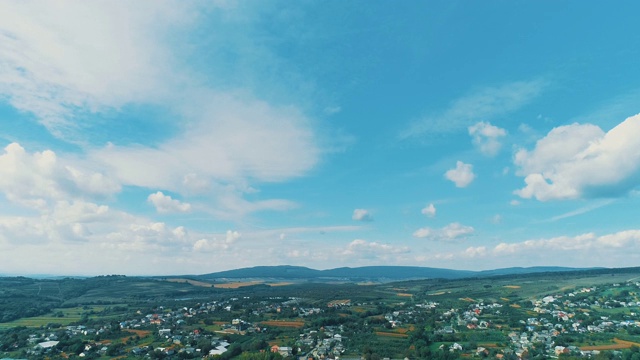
(319, 180)
(520, 314)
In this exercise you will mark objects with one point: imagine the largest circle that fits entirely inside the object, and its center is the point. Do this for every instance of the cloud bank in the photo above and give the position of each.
(582, 161)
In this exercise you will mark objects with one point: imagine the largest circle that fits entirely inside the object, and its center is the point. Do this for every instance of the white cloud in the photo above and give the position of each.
(462, 175)
(64, 61)
(214, 244)
(60, 58)
(424, 232)
(232, 236)
(33, 179)
(486, 103)
(582, 210)
(429, 210)
(363, 248)
(496, 219)
(486, 137)
(629, 239)
(361, 215)
(582, 161)
(472, 252)
(450, 232)
(231, 140)
(165, 204)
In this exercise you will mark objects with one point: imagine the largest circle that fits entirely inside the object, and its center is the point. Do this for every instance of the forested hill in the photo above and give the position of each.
(371, 272)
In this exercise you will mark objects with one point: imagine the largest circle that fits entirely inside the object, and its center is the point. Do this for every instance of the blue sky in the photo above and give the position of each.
(187, 137)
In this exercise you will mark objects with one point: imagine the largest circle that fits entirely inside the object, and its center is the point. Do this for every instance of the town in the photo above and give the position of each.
(446, 319)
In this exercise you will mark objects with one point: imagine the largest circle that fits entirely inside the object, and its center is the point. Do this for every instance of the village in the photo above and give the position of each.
(582, 322)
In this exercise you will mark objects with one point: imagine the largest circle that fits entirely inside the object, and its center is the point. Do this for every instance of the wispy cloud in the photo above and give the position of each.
(483, 104)
(486, 137)
(59, 60)
(583, 210)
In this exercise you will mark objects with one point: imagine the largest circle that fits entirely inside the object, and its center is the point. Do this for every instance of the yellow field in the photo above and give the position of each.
(468, 299)
(515, 306)
(619, 344)
(235, 285)
(512, 286)
(437, 293)
(293, 324)
(405, 294)
(505, 299)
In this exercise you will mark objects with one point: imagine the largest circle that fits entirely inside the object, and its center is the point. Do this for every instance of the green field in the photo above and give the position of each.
(70, 315)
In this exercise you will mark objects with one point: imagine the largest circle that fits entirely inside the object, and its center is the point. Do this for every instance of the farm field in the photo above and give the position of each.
(283, 323)
(618, 344)
(69, 315)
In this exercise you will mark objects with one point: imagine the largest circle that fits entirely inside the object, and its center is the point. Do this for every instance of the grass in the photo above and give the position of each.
(391, 334)
(71, 315)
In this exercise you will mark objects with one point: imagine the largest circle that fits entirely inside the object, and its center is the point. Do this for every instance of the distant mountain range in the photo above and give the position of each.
(373, 273)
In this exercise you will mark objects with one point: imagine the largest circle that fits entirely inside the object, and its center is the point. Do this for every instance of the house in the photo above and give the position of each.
(285, 351)
(47, 345)
(219, 350)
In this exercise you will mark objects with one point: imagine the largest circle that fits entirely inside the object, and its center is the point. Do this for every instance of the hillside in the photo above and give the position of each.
(373, 273)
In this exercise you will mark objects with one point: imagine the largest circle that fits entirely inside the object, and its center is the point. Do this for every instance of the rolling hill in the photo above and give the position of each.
(373, 273)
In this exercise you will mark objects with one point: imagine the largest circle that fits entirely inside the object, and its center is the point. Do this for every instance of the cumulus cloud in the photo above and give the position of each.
(63, 62)
(582, 161)
(86, 222)
(33, 179)
(478, 251)
(361, 215)
(367, 249)
(165, 204)
(462, 175)
(587, 241)
(486, 137)
(429, 210)
(214, 243)
(450, 232)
